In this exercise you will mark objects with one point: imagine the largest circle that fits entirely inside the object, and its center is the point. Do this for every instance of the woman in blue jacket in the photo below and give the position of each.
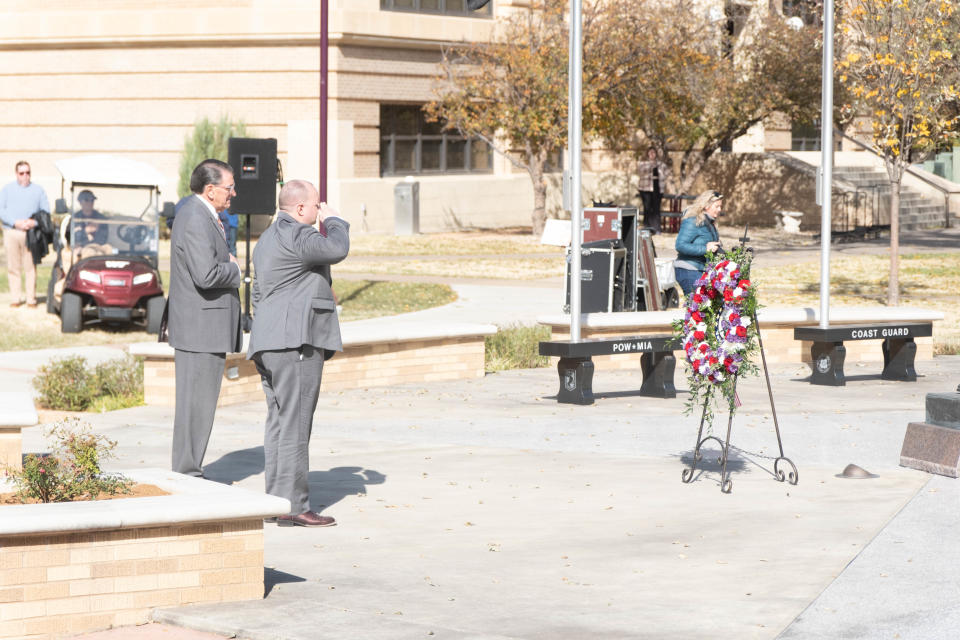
(697, 237)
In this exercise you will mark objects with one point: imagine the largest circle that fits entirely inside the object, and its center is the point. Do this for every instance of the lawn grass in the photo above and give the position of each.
(515, 347)
(22, 329)
(369, 299)
(927, 280)
(506, 242)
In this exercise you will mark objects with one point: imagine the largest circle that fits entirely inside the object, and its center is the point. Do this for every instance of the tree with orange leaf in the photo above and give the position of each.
(512, 92)
(901, 71)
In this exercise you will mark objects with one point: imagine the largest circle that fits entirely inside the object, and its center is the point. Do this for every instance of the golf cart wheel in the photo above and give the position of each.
(71, 313)
(154, 314)
(670, 298)
(55, 274)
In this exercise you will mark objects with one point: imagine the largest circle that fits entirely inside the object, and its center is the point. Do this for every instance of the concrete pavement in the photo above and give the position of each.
(483, 509)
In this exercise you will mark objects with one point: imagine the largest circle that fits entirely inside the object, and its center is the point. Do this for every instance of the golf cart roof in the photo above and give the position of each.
(108, 170)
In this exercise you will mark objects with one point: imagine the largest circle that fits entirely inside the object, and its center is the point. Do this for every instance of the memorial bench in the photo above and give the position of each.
(828, 353)
(575, 367)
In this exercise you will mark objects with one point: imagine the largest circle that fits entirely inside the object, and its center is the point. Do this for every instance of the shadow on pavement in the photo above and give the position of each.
(330, 487)
(272, 577)
(709, 464)
(235, 466)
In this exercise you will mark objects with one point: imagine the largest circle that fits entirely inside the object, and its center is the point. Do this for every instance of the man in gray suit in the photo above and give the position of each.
(203, 310)
(295, 322)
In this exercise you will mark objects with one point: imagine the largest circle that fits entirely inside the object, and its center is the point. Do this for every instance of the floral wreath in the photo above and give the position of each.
(717, 332)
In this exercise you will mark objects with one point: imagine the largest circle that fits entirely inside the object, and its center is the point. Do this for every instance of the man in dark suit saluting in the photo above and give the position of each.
(203, 310)
(295, 322)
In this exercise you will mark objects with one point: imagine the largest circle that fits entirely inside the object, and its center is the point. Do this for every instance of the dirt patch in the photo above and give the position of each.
(136, 491)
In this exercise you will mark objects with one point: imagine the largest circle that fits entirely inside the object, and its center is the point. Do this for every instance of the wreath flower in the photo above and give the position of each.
(717, 332)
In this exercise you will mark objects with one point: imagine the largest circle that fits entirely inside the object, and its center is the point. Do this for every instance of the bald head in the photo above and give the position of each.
(301, 200)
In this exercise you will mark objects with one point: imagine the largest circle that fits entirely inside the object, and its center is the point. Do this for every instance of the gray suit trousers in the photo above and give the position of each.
(291, 383)
(198, 379)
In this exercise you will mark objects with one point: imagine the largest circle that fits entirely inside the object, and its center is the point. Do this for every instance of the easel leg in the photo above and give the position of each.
(726, 484)
(687, 475)
(793, 476)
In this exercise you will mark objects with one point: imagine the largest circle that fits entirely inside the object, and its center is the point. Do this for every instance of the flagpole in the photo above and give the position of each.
(825, 190)
(574, 127)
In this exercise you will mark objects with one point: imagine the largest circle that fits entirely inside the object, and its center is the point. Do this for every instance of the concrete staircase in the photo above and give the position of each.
(916, 210)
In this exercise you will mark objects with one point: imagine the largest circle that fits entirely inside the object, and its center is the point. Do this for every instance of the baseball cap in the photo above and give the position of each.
(86, 194)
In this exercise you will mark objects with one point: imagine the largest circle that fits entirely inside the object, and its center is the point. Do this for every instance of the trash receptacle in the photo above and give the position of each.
(406, 208)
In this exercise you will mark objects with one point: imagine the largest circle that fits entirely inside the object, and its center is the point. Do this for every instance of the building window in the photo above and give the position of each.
(806, 136)
(447, 7)
(411, 145)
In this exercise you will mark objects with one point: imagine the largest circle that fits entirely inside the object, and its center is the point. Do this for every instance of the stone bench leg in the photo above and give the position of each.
(658, 371)
(11, 447)
(828, 360)
(576, 380)
(898, 358)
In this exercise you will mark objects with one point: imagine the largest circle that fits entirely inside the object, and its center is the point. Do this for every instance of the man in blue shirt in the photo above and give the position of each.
(18, 201)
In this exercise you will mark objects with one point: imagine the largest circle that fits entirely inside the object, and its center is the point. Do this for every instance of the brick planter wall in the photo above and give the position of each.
(69, 568)
(370, 358)
(55, 585)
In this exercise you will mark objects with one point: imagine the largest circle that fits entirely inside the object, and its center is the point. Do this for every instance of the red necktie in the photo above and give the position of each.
(223, 231)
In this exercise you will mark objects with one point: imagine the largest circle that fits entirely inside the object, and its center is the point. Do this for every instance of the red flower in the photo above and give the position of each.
(704, 347)
(741, 331)
(696, 364)
(712, 360)
(42, 470)
(699, 335)
(696, 316)
(697, 298)
(712, 293)
(744, 284)
(734, 316)
(727, 295)
(727, 361)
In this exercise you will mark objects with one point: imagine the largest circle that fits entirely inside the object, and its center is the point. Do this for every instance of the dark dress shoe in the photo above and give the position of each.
(306, 519)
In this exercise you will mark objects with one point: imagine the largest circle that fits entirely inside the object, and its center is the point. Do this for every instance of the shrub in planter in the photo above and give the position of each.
(72, 471)
(69, 384)
(119, 377)
(66, 383)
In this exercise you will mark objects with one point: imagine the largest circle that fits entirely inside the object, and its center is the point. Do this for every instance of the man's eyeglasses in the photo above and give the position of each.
(23, 173)
(228, 188)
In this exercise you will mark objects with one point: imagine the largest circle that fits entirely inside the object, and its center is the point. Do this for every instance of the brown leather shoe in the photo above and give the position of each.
(14, 305)
(306, 519)
(32, 305)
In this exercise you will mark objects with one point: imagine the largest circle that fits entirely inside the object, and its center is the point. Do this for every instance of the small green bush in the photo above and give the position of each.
(69, 384)
(516, 347)
(119, 377)
(72, 471)
(208, 140)
(66, 383)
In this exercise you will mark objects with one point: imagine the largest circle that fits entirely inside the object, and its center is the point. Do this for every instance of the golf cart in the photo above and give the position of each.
(106, 267)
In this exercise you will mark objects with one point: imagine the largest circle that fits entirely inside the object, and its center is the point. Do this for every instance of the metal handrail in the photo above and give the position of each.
(946, 192)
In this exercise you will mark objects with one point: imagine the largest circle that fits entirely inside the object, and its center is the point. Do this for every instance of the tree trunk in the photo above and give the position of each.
(539, 215)
(893, 288)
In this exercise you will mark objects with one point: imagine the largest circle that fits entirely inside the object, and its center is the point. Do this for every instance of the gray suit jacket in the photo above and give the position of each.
(291, 293)
(203, 304)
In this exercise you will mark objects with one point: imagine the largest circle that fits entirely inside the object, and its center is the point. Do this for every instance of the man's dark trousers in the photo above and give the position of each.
(291, 383)
(198, 379)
